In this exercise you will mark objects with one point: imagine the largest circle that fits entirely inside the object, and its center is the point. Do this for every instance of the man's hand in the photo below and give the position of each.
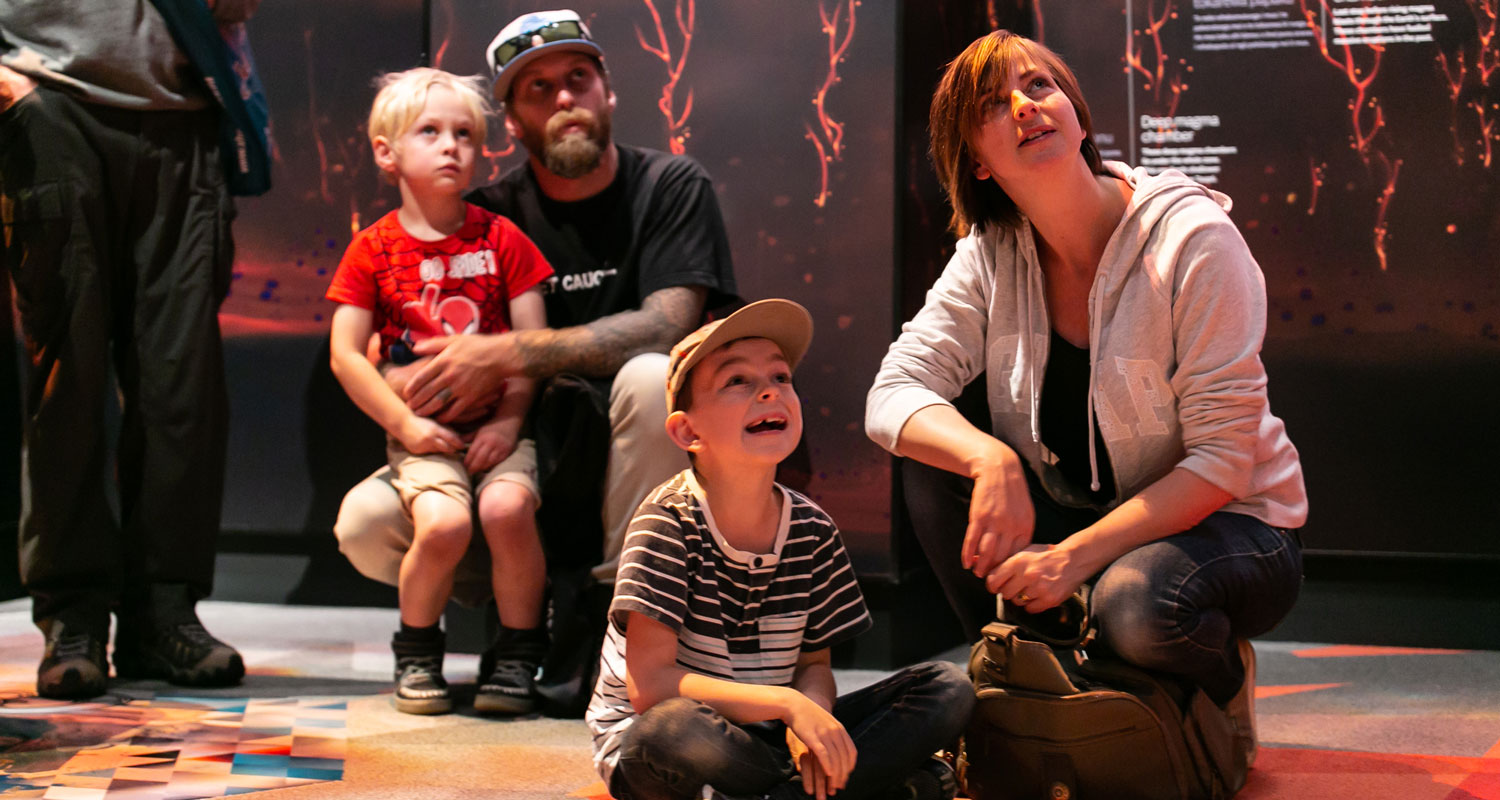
(466, 372)
(1001, 516)
(421, 435)
(491, 444)
(818, 732)
(397, 377)
(13, 87)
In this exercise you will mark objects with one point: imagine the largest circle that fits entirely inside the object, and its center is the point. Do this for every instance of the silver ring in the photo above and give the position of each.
(444, 395)
(1023, 598)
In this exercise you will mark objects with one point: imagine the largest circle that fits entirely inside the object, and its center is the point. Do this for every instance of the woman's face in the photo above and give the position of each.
(1027, 126)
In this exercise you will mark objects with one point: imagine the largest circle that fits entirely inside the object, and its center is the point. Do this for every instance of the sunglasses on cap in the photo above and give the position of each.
(559, 31)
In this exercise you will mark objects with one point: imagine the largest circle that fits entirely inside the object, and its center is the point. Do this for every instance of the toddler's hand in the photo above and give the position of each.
(490, 446)
(421, 435)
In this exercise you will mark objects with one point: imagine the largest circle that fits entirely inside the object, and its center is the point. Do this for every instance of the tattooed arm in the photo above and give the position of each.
(469, 368)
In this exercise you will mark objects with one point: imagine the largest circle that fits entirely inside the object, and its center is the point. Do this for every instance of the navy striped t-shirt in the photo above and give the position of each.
(739, 616)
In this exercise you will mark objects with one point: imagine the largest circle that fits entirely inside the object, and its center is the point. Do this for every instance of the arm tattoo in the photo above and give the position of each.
(599, 348)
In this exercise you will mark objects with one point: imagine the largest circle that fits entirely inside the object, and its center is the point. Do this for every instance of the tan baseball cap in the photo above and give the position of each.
(782, 321)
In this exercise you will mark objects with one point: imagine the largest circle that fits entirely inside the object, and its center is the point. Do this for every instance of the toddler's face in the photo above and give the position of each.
(437, 152)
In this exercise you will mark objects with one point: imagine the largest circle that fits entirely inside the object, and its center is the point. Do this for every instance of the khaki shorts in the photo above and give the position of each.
(445, 472)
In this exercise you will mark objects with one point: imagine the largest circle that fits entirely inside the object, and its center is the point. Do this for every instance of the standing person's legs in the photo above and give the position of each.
(641, 456)
(60, 233)
(1181, 604)
(175, 408)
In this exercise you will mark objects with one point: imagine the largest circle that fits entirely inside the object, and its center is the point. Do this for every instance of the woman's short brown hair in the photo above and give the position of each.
(957, 114)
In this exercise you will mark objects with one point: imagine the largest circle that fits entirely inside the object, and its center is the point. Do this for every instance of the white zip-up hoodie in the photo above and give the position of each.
(1177, 314)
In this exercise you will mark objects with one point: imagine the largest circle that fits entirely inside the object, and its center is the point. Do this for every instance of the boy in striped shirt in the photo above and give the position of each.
(731, 591)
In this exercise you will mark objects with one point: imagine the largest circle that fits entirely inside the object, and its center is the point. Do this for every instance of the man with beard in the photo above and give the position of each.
(640, 253)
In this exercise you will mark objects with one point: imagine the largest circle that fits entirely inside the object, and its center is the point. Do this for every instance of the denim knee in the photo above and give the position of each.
(1145, 618)
(676, 733)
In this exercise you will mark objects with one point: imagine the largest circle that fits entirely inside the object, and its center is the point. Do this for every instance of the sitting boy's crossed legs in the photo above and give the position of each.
(680, 745)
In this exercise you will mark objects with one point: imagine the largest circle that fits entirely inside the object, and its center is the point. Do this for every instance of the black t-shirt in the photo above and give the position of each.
(1062, 419)
(656, 226)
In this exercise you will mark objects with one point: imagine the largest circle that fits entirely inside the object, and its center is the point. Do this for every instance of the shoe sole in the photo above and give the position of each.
(424, 706)
(131, 667)
(1252, 745)
(503, 704)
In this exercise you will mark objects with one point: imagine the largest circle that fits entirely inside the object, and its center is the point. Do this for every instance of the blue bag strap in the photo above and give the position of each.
(223, 58)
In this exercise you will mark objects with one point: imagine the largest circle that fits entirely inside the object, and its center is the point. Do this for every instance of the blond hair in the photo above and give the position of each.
(957, 114)
(403, 95)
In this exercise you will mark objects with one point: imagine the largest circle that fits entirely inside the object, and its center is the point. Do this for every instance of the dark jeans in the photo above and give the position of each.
(119, 249)
(1176, 605)
(678, 746)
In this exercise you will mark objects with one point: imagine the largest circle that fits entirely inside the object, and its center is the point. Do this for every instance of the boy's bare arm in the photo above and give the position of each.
(820, 777)
(364, 385)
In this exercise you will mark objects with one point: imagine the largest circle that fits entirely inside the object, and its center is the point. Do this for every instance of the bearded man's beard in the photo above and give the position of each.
(576, 153)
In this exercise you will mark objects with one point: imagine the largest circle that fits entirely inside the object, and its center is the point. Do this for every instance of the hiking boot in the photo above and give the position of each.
(73, 665)
(182, 653)
(1241, 709)
(509, 687)
(160, 636)
(420, 687)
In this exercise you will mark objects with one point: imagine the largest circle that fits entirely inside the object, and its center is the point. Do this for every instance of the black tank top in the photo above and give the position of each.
(1063, 415)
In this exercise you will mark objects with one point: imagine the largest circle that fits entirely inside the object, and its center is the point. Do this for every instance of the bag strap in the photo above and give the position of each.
(1005, 658)
(223, 58)
(1067, 626)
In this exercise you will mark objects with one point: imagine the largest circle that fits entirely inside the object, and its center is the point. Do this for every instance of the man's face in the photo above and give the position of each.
(560, 109)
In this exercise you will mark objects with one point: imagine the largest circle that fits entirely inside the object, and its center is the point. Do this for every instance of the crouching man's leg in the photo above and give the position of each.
(641, 456)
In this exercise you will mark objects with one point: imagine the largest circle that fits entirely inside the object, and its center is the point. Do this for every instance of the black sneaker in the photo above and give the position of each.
(73, 665)
(420, 687)
(934, 780)
(508, 687)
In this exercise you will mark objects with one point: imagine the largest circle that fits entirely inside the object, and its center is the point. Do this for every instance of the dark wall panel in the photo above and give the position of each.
(807, 194)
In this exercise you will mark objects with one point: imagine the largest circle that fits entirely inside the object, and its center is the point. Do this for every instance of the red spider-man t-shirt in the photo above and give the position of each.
(417, 289)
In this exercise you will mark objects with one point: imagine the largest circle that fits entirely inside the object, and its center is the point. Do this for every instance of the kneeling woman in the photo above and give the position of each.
(1118, 319)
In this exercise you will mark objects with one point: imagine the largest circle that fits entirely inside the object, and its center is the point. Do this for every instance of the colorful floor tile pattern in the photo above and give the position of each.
(167, 748)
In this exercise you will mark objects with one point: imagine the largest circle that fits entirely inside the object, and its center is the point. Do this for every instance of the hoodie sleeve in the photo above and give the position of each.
(1218, 325)
(939, 351)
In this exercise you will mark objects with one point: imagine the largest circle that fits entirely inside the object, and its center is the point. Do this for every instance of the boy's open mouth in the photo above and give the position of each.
(765, 424)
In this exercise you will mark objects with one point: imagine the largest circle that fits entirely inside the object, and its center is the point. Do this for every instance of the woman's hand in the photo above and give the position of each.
(1037, 578)
(1001, 517)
